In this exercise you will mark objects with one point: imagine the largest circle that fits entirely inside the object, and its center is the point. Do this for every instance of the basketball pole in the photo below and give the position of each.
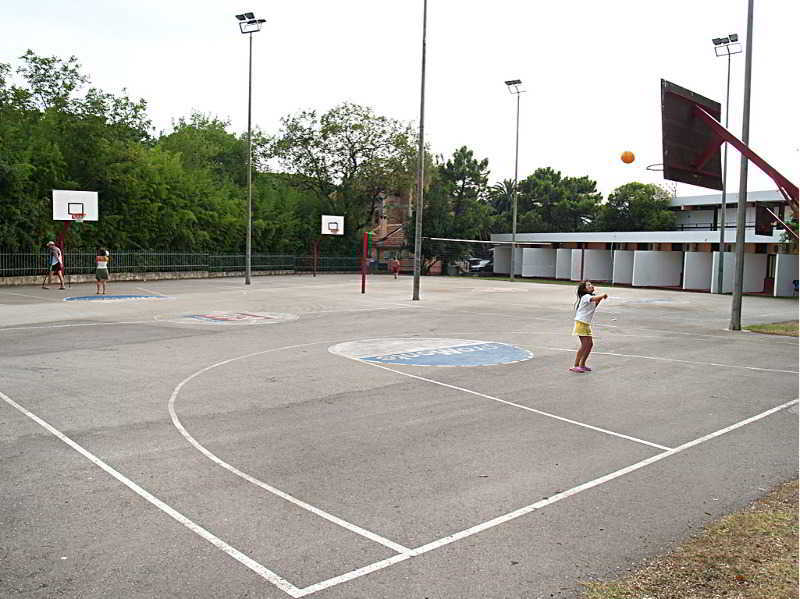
(364, 263)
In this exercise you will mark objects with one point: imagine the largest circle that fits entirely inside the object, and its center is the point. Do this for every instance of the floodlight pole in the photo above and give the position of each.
(514, 198)
(420, 163)
(724, 186)
(723, 208)
(249, 24)
(741, 208)
(515, 83)
(249, 250)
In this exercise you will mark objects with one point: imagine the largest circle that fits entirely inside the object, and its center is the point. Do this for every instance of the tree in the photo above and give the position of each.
(349, 157)
(548, 202)
(51, 137)
(636, 207)
(501, 196)
(456, 205)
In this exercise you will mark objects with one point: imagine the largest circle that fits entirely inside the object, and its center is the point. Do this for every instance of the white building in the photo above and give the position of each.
(687, 258)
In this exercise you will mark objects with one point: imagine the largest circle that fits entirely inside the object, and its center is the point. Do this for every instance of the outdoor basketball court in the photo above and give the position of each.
(294, 437)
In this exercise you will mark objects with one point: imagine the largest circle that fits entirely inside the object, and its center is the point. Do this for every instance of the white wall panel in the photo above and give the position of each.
(597, 265)
(563, 263)
(785, 273)
(697, 270)
(575, 271)
(623, 267)
(539, 262)
(518, 261)
(755, 271)
(502, 259)
(657, 269)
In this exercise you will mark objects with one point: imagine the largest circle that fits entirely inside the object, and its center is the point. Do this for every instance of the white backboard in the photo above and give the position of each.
(68, 203)
(332, 225)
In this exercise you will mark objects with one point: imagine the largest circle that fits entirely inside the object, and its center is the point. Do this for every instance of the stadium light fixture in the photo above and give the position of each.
(513, 88)
(249, 24)
(724, 46)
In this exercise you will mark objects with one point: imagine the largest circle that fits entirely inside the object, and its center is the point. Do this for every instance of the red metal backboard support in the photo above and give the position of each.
(786, 187)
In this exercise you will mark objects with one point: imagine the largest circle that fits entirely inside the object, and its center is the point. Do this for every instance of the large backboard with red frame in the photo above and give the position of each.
(691, 149)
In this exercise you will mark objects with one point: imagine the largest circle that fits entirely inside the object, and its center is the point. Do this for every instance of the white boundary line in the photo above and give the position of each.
(534, 506)
(269, 488)
(28, 295)
(248, 562)
(511, 403)
(150, 290)
(80, 324)
(693, 362)
(296, 592)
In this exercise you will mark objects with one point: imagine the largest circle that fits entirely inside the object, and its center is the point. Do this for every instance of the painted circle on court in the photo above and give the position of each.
(431, 352)
(238, 318)
(113, 298)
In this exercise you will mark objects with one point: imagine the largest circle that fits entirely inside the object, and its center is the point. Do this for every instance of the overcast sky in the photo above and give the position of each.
(590, 69)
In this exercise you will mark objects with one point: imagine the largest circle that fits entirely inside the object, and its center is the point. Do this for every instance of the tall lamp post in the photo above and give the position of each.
(248, 24)
(725, 46)
(420, 162)
(513, 88)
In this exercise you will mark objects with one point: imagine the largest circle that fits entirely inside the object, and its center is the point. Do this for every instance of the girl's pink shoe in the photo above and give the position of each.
(586, 368)
(577, 369)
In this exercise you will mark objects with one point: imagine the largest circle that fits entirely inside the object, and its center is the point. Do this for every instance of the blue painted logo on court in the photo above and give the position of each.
(432, 352)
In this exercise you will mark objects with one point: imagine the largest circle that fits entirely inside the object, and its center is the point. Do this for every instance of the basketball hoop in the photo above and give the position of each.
(658, 167)
(78, 216)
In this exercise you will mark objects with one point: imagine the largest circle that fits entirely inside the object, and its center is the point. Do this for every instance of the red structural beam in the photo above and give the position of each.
(786, 187)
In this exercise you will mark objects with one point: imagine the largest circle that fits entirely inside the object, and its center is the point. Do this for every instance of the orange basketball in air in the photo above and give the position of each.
(627, 157)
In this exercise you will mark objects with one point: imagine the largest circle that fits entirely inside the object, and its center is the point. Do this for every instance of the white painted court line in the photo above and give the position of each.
(694, 362)
(33, 296)
(511, 403)
(535, 506)
(294, 591)
(269, 488)
(243, 559)
(389, 307)
(80, 324)
(150, 290)
(566, 321)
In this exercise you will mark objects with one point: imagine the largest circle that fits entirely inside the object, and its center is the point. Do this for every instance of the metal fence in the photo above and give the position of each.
(22, 264)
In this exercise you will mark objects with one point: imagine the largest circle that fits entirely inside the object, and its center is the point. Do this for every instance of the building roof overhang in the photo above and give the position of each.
(636, 237)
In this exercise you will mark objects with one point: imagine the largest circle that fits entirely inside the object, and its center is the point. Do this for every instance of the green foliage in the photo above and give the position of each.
(636, 207)
(350, 158)
(548, 202)
(187, 189)
(456, 204)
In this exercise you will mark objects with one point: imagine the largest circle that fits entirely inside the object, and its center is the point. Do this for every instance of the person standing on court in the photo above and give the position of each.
(584, 312)
(395, 267)
(101, 272)
(55, 265)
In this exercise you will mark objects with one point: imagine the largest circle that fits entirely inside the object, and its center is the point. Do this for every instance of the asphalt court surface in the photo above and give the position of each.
(223, 440)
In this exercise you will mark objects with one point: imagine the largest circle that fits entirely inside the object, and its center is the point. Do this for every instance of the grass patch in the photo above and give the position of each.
(751, 554)
(789, 328)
